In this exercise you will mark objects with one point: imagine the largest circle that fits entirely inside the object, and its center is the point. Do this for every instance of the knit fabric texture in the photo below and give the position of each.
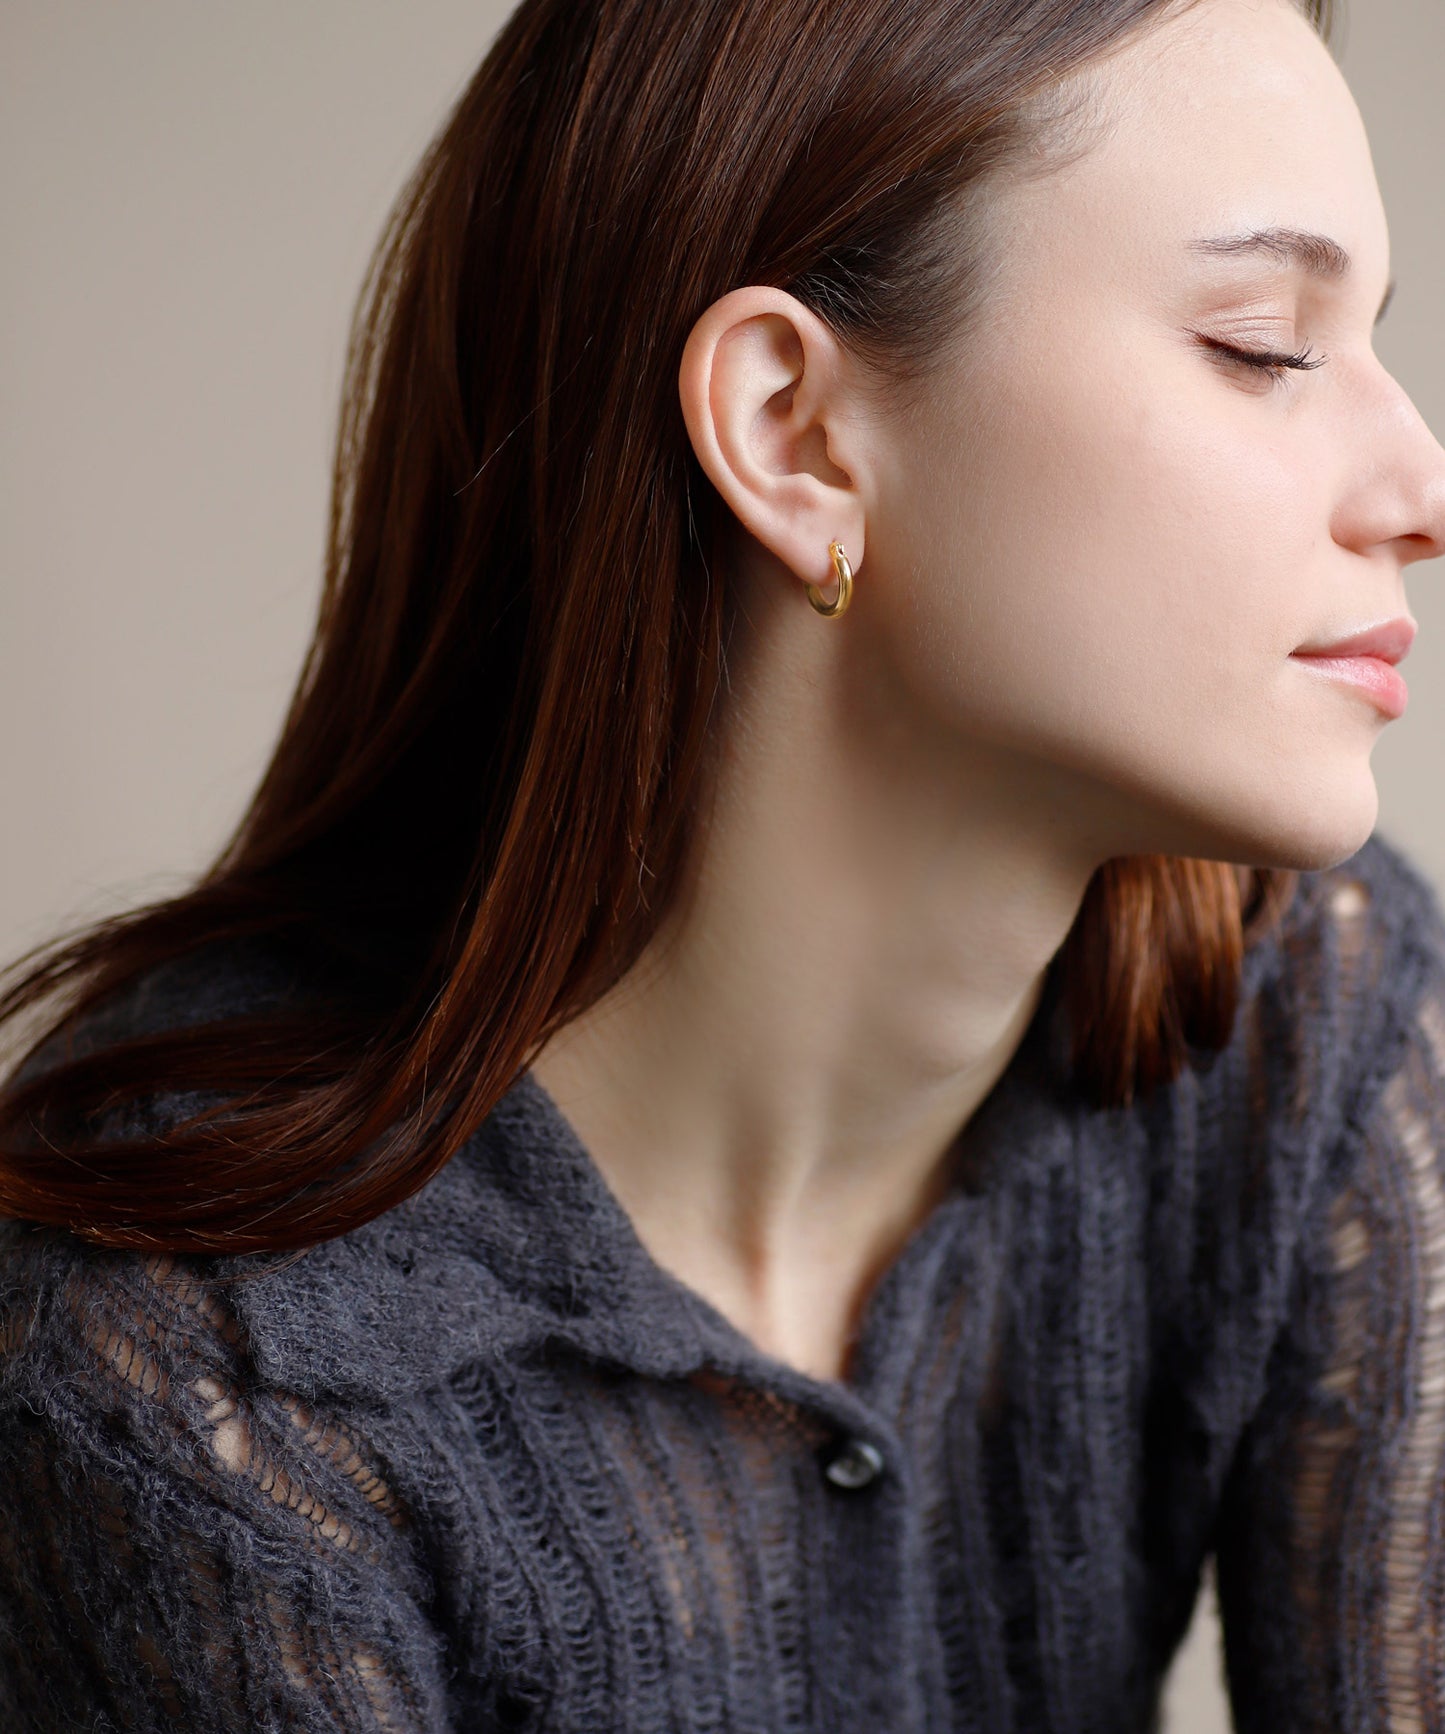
(484, 1464)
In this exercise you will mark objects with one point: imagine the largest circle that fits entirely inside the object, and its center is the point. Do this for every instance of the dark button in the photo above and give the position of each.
(854, 1464)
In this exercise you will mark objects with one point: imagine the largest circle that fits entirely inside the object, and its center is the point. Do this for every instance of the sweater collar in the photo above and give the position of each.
(519, 1244)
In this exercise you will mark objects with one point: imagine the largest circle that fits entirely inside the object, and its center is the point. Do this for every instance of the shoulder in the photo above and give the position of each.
(139, 1362)
(76, 1316)
(1244, 1144)
(1373, 1007)
(1330, 986)
(372, 1323)
(1330, 993)
(372, 1318)
(189, 1542)
(1251, 1146)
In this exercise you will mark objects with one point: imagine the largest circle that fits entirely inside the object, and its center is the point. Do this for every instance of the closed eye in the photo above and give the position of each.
(1270, 362)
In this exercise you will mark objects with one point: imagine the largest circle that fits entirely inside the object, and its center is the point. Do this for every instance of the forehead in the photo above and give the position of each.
(1223, 118)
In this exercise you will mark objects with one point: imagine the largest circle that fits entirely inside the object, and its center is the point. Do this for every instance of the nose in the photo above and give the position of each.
(1403, 501)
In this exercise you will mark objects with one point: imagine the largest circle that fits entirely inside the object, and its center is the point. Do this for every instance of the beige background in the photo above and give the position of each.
(189, 195)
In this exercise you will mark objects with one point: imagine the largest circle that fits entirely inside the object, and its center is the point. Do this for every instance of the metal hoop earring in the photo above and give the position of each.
(831, 610)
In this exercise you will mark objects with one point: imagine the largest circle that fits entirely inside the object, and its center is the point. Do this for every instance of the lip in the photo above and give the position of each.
(1366, 660)
(1389, 642)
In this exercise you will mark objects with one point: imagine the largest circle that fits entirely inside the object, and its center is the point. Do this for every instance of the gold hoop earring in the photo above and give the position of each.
(831, 610)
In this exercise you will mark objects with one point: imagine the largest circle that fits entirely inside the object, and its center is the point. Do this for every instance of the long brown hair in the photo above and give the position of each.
(480, 804)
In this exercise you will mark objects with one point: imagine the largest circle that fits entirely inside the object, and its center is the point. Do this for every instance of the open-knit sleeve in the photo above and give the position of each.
(1330, 1558)
(181, 1548)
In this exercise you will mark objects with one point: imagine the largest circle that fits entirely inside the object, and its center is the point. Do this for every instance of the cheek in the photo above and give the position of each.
(1099, 557)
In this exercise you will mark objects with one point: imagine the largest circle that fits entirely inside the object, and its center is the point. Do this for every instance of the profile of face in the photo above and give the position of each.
(1085, 555)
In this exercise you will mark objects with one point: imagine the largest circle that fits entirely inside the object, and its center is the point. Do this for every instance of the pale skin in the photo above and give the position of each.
(1081, 567)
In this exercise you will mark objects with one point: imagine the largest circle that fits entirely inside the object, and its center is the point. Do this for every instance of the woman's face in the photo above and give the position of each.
(1101, 536)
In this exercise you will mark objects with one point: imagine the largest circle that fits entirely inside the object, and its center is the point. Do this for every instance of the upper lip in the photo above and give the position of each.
(1390, 642)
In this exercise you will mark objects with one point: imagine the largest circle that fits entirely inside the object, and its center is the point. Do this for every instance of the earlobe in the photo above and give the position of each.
(764, 395)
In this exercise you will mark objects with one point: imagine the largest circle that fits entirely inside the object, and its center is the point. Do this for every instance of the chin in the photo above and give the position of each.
(1314, 858)
(1306, 820)
(1307, 834)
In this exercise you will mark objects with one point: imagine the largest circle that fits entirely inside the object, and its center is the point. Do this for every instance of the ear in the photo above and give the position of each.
(765, 388)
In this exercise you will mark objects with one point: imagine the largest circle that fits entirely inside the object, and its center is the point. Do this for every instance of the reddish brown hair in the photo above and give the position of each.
(480, 804)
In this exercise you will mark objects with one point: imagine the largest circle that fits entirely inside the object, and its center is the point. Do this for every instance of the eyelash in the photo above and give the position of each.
(1270, 362)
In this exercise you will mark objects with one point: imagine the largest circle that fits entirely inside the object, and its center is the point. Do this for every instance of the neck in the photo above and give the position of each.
(773, 1089)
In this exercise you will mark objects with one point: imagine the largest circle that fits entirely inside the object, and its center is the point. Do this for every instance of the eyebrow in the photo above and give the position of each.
(1297, 249)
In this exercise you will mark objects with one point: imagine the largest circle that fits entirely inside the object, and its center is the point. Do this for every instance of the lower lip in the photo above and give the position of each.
(1378, 680)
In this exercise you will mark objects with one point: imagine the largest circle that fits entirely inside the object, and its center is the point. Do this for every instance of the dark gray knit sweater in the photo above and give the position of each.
(483, 1464)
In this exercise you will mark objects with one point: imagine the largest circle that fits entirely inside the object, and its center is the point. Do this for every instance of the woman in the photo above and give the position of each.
(804, 1087)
